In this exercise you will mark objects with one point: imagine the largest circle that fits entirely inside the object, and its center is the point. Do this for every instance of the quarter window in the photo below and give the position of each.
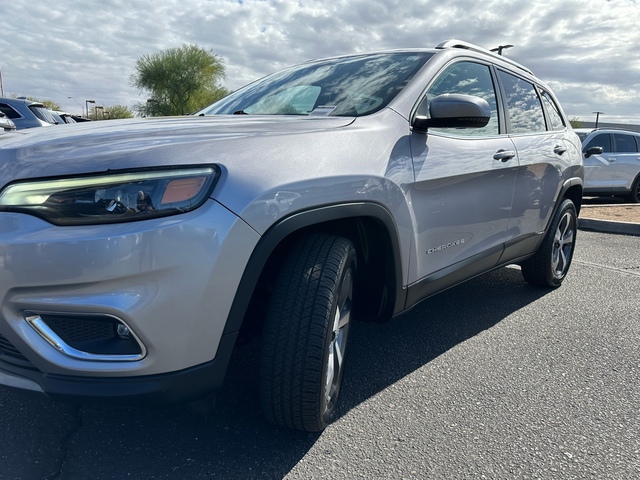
(553, 112)
(469, 79)
(523, 104)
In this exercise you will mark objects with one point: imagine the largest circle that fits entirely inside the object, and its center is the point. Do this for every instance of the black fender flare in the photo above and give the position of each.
(566, 186)
(296, 222)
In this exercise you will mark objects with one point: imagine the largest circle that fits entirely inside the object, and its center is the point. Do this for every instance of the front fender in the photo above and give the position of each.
(327, 218)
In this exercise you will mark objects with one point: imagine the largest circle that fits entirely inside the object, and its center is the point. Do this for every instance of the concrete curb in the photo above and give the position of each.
(606, 226)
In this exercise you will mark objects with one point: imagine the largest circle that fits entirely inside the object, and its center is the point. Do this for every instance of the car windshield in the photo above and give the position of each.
(347, 86)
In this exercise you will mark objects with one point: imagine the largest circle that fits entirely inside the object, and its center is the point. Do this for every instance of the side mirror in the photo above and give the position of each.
(593, 151)
(454, 111)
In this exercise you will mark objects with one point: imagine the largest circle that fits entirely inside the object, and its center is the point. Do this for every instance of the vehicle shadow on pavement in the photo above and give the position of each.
(380, 355)
(40, 439)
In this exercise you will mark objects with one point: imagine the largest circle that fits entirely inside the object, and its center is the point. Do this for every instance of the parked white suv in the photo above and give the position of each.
(611, 163)
(134, 252)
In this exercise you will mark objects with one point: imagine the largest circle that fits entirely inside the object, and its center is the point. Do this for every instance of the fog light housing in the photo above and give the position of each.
(96, 337)
(123, 332)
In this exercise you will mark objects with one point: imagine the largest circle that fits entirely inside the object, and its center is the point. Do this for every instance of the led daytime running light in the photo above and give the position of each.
(37, 192)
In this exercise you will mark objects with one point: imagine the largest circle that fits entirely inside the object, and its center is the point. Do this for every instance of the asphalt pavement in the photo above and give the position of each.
(492, 379)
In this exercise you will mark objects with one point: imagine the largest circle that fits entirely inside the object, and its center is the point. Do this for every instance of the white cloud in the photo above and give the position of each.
(586, 50)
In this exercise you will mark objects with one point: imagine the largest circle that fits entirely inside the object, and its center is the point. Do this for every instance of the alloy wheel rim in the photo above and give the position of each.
(338, 343)
(563, 245)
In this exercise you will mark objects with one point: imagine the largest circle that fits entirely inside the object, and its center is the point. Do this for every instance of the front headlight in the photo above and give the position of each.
(112, 197)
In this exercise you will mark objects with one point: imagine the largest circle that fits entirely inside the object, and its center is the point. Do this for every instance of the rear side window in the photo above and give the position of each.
(602, 140)
(625, 143)
(8, 111)
(523, 104)
(553, 112)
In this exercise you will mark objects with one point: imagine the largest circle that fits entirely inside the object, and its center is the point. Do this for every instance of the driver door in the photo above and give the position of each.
(599, 169)
(464, 181)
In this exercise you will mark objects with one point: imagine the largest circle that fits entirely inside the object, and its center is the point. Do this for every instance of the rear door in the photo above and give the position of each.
(543, 154)
(627, 161)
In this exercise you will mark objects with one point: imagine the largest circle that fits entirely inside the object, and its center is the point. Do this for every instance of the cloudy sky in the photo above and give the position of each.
(588, 51)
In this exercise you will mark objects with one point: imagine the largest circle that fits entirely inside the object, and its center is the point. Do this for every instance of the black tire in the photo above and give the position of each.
(550, 264)
(634, 195)
(305, 333)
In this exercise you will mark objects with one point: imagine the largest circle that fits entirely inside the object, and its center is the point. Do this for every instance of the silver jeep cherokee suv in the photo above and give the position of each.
(133, 253)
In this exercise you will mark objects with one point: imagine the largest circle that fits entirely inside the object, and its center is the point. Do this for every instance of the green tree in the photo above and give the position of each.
(109, 113)
(576, 122)
(118, 111)
(180, 80)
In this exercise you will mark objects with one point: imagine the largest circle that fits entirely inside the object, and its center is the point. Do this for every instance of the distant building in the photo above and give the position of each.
(622, 126)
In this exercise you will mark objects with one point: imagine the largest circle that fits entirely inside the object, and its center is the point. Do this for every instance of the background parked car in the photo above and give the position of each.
(62, 117)
(79, 119)
(611, 162)
(25, 113)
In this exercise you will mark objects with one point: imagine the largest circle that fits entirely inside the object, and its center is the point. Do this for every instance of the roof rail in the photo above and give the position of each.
(621, 129)
(454, 43)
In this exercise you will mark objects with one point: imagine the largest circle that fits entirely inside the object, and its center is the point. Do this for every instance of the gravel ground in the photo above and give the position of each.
(617, 212)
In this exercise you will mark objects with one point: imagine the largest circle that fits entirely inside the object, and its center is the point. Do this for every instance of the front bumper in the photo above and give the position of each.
(151, 390)
(169, 281)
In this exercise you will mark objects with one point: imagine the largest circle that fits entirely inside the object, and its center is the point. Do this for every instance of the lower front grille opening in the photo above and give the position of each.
(10, 354)
(93, 334)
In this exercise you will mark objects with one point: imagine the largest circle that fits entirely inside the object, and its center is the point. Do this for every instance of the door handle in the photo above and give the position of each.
(559, 149)
(504, 155)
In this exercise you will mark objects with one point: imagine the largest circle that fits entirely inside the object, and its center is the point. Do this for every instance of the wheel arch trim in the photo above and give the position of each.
(572, 183)
(297, 222)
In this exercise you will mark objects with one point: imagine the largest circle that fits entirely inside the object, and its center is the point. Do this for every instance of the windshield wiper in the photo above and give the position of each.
(240, 112)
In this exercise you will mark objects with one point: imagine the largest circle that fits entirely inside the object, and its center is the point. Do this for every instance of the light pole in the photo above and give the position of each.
(101, 111)
(597, 117)
(87, 102)
(79, 104)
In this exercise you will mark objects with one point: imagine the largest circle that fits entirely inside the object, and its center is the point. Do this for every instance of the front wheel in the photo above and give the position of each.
(550, 264)
(305, 333)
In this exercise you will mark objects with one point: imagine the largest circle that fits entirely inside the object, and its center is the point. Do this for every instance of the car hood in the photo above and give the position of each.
(119, 144)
